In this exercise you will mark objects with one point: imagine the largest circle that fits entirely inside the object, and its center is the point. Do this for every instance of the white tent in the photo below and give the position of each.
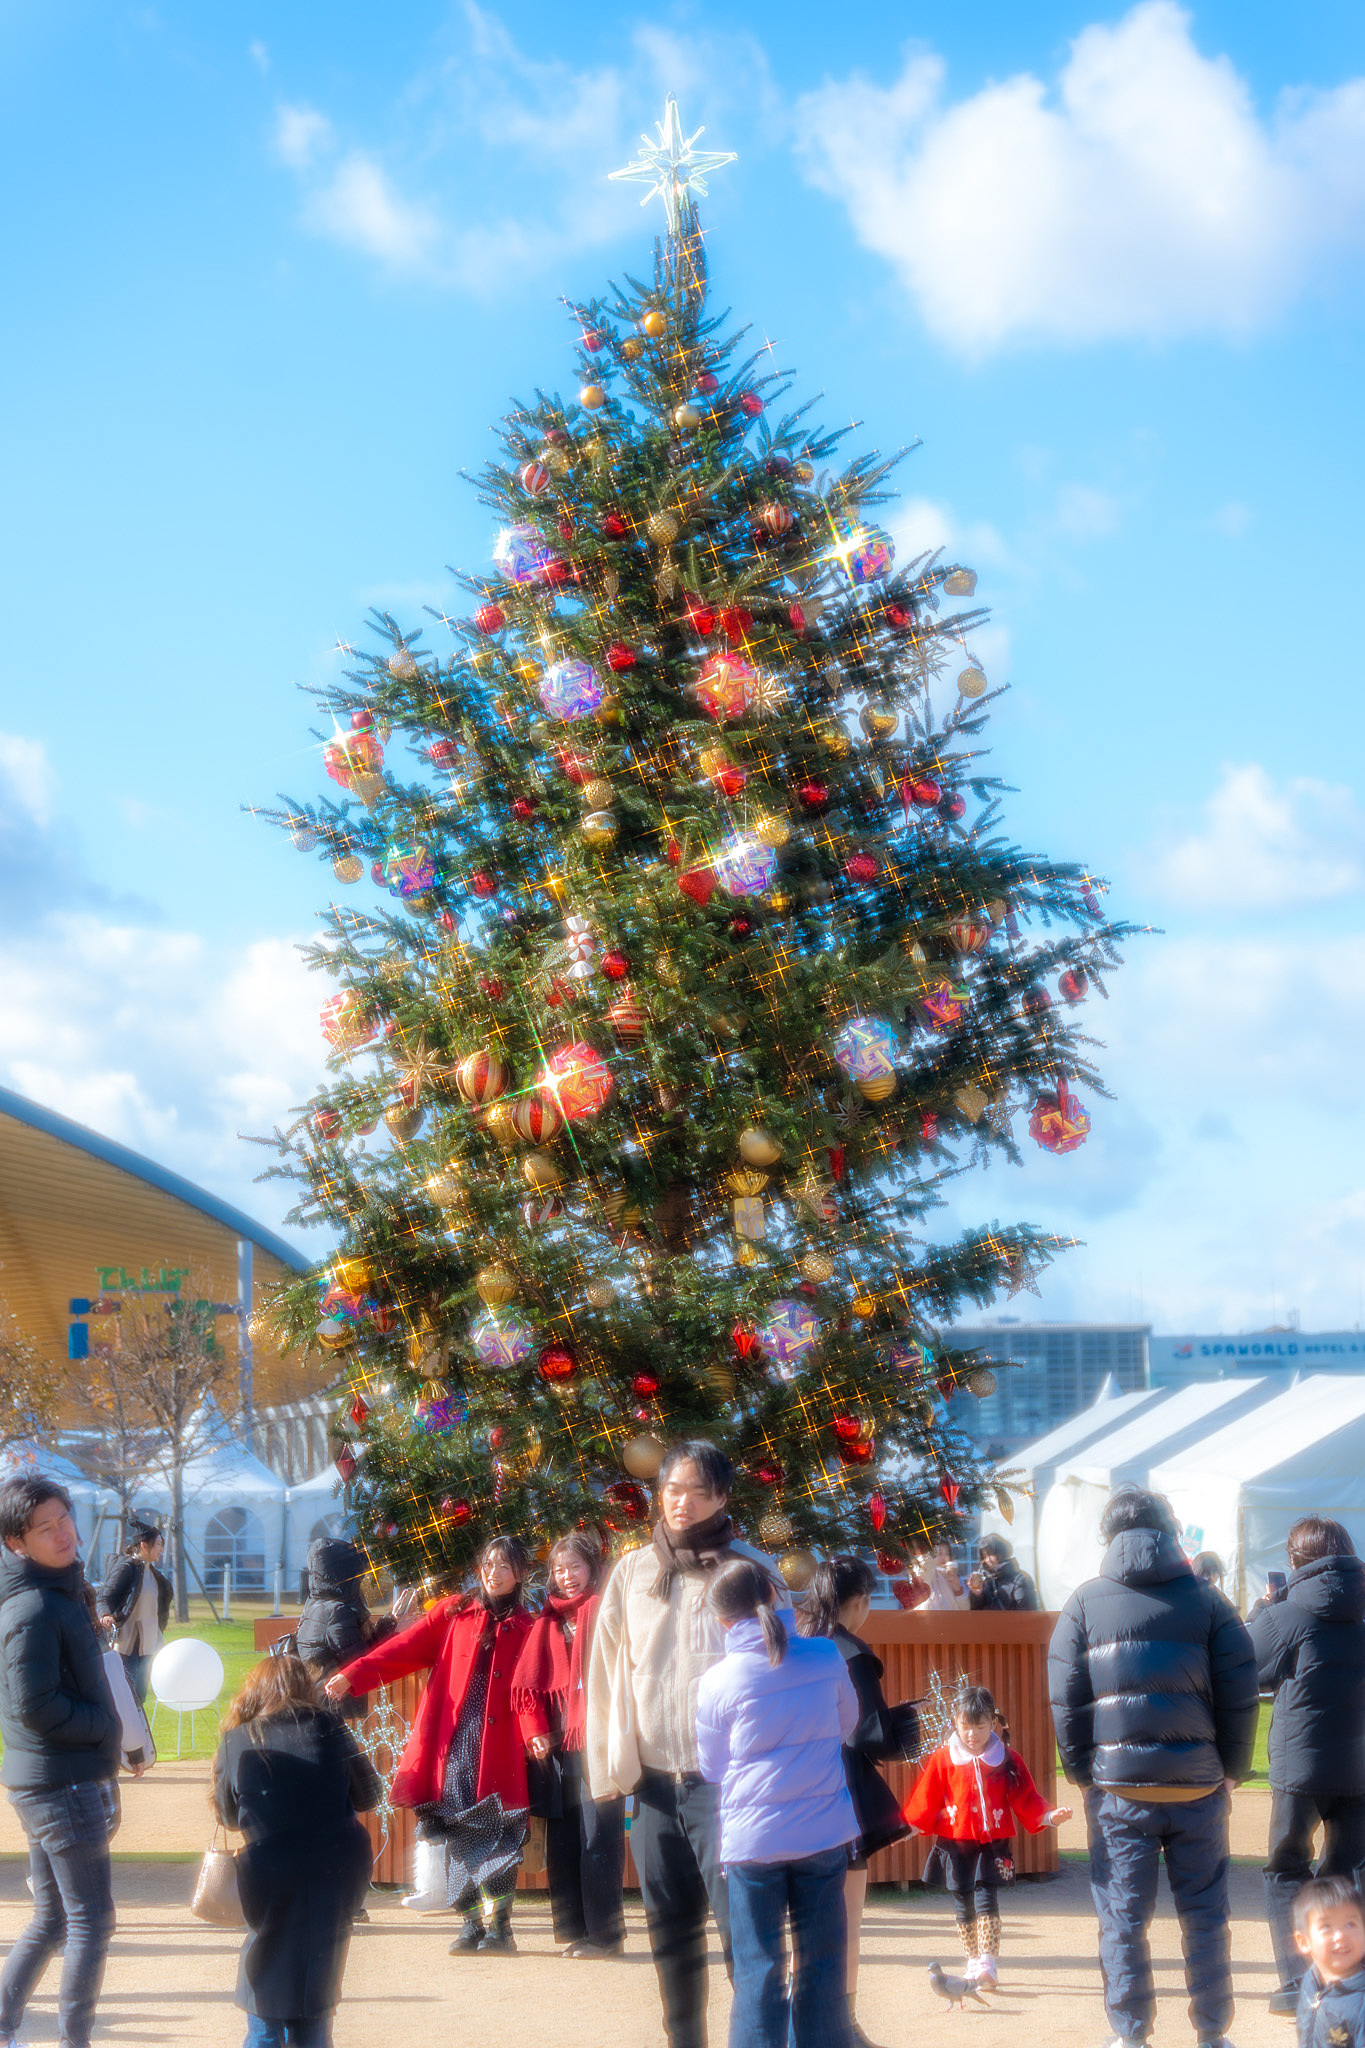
(1068, 1542)
(1238, 1490)
(94, 1507)
(315, 1508)
(234, 1510)
(1036, 1465)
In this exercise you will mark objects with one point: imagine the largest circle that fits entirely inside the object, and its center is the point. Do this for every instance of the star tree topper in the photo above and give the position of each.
(671, 167)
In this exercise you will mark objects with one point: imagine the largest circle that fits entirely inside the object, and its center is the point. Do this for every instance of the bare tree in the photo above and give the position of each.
(158, 1378)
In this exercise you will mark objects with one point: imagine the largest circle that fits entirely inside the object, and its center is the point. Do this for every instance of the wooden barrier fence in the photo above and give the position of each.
(1006, 1652)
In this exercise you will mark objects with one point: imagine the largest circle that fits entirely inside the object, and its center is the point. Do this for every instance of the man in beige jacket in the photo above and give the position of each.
(654, 1637)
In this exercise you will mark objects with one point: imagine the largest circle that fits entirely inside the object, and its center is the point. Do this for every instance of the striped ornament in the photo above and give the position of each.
(482, 1077)
(536, 1118)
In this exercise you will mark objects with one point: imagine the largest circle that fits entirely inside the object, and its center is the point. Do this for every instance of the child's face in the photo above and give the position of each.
(1334, 1942)
(974, 1735)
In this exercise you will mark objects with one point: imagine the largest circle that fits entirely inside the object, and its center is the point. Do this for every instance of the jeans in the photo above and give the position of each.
(1128, 1838)
(763, 1896)
(585, 1855)
(314, 2032)
(675, 1840)
(73, 1905)
(137, 1669)
(1293, 1818)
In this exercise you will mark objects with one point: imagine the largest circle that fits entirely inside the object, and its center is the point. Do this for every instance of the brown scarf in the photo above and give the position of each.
(701, 1549)
(550, 1670)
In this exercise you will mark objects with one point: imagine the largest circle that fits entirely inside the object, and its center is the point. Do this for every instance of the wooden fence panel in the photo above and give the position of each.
(1006, 1652)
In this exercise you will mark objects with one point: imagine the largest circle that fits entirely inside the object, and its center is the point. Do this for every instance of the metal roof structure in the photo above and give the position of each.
(74, 1205)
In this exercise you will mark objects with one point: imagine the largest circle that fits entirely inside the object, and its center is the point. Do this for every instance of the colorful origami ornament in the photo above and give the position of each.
(577, 1081)
(1059, 1123)
(501, 1337)
(866, 553)
(788, 1334)
(571, 689)
(866, 1049)
(523, 554)
(409, 870)
(945, 1003)
(345, 1024)
(745, 866)
(725, 685)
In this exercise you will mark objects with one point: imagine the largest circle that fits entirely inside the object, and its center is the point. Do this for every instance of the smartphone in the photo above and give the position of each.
(1274, 1584)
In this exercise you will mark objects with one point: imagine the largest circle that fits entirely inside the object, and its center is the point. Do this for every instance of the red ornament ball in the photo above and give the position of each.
(735, 621)
(576, 766)
(494, 988)
(674, 853)
(556, 1363)
(614, 526)
(730, 779)
(857, 1454)
(848, 1427)
(924, 791)
(739, 927)
(701, 617)
(377, 875)
(482, 884)
(777, 519)
(1035, 1002)
(443, 753)
(326, 1123)
(646, 1385)
(621, 658)
(861, 867)
(631, 1499)
(1074, 985)
(953, 806)
(770, 1472)
(615, 965)
(456, 1512)
(534, 478)
(814, 794)
(750, 404)
(558, 572)
(523, 809)
(898, 617)
(362, 721)
(707, 384)
(592, 341)
(490, 618)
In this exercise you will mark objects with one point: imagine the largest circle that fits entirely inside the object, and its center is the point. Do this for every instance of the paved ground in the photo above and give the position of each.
(171, 1978)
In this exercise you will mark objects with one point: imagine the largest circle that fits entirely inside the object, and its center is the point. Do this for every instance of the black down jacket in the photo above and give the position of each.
(1310, 1647)
(335, 1624)
(1151, 1674)
(56, 1711)
(882, 1735)
(1006, 1590)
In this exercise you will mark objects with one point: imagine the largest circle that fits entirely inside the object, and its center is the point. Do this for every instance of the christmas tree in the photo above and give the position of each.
(702, 963)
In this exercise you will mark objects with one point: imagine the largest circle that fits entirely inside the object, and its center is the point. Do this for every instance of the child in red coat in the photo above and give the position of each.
(971, 1794)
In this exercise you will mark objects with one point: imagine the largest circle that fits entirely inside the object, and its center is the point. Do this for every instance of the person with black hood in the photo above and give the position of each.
(61, 1736)
(336, 1624)
(1152, 1679)
(137, 1599)
(1310, 1650)
(1001, 1586)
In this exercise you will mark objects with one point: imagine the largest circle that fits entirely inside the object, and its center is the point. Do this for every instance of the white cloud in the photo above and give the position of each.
(259, 55)
(1266, 846)
(1142, 194)
(301, 135)
(25, 779)
(1087, 514)
(1231, 520)
(360, 206)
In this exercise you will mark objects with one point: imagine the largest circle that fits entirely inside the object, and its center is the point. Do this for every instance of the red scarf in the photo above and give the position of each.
(551, 1672)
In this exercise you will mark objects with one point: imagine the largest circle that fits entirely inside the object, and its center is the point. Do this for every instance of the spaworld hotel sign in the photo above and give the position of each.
(1173, 1360)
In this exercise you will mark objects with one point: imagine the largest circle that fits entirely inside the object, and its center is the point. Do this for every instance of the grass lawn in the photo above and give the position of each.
(233, 1642)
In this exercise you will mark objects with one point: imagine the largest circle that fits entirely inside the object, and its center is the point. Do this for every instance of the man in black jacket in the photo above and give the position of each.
(1310, 1650)
(1152, 1679)
(1001, 1585)
(61, 1737)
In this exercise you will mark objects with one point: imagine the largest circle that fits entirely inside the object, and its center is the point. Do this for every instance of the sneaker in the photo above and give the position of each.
(987, 1973)
(1284, 2003)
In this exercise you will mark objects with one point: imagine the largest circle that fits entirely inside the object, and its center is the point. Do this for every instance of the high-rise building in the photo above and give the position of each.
(1048, 1372)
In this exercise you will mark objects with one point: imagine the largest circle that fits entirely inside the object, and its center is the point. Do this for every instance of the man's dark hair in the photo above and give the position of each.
(1314, 1537)
(1132, 1507)
(20, 1500)
(714, 1469)
(1320, 1894)
(996, 1546)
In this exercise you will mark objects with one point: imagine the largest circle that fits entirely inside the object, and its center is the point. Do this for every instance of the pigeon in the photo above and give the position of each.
(954, 1989)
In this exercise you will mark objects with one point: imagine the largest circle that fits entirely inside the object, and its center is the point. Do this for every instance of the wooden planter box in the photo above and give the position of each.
(1006, 1652)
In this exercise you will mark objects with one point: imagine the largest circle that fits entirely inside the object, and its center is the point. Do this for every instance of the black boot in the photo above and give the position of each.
(497, 1940)
(469, 1936)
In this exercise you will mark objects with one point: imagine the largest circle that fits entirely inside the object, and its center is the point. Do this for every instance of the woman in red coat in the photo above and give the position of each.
(463, 1771)
(971, 1794)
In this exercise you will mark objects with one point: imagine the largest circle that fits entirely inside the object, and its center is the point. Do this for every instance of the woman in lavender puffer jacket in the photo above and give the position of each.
(772, 1718)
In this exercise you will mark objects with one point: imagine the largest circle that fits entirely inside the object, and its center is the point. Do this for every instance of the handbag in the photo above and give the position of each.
(216, 1896)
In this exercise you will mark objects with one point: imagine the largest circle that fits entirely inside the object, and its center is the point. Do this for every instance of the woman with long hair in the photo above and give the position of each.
(463, 1770)
(772, 1717)
(837, 1605)
(289, 1775)
(585, 1839)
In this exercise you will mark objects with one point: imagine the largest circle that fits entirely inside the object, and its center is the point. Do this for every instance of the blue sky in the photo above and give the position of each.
(272, 272)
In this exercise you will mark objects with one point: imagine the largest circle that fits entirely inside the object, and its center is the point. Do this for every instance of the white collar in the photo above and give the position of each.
(992, 1756)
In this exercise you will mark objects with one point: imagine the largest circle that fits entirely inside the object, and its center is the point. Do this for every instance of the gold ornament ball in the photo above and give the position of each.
(632, 348)
(719, 1380)
(817, 1267)
(541, 1171)
(335, 1335)
(772, 829)
(355, 1275)
(877, 723)
(499, 1122)
(759, 1148)
(982, 1382)
(864, 1305)
(686, 419)
(403, 1123)
(348, 867)
(556, 460)
(597, 794)
(666, 971)
(972, 682)
(446, 1186)
(803, 472)
(654, 324)
(781, 900)
(662, 528)
(877, 1088)
(776, 1528)
(601, 1292)
(599, 828)
(592, 397)
(642, 1455)
(797, 1568)
(960, 583)
(495, 1285)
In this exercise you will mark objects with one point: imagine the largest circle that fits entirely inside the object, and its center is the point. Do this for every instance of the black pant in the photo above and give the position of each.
(585, 1856)
(1128, 1838)
(1293, 1818)
(73, 1905)
(675, 1840)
